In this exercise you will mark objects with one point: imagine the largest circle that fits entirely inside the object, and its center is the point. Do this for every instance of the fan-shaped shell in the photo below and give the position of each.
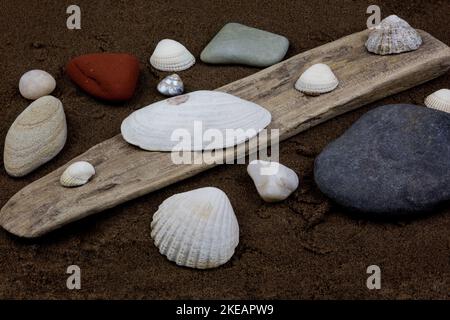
(175, 123)
(77, 174)
(439, 100)
(393, 35)
(170, 55)
(196, 229)
(171, 85)
(317, 79)
(274, 181)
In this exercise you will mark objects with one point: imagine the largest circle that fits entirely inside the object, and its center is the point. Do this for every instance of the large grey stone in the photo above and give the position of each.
(395, 159)
(239, 44)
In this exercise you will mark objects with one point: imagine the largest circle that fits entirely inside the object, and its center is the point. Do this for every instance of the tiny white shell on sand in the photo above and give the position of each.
(171, 86)
(35, 84)
(439, 100)
(170, 55)
(77, 174)
(274, 181)
(317, 79)
(196, 229)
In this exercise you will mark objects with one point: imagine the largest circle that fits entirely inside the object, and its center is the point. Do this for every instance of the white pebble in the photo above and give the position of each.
(35, 84)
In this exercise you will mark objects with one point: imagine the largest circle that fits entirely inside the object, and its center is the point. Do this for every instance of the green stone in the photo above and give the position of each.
(239, 44)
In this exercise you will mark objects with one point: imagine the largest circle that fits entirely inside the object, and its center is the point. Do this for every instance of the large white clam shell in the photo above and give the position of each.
(317, 79)
(170, 55)
(393, 35)
(439, 100)
(77, 174)
(35, 84)
(196, 229)
(167, 125)
(274, 181)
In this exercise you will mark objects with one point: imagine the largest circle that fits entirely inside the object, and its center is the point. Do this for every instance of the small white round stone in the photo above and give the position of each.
(36, 83)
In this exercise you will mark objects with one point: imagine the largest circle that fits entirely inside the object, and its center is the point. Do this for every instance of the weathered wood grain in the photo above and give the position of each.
(125, 172)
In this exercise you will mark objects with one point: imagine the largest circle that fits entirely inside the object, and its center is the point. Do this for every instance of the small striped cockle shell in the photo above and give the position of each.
(393, 35)
(77, 174)
(316, 80)
(171, 86)
(35, 84)
(170, 55)
(196, 229)
(439, 100)
(274, 181)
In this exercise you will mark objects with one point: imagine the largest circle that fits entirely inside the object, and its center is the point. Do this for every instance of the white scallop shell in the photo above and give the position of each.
(196, 229)
(439, 100)
(170, 55)
(35, 84)
(171, 85)
(317, 79)
(393, 35)
(77, 174)
(274, 181)
(184, 122)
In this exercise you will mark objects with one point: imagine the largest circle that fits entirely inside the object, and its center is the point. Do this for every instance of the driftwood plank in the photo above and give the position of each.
(125, 172)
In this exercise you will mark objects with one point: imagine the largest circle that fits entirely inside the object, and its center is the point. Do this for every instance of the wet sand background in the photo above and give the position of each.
(303, 248)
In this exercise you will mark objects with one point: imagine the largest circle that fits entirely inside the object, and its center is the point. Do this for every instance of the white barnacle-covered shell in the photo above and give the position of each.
(196, 229)
(35, 84)
(171, 85)
(187, 122)
(274, 181)
(393, 35)
(439, 100)
(317, 79)
(170, 55)
(77, 174)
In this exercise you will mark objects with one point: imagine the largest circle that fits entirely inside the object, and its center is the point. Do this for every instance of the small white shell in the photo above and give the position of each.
(35, 84)
(316, 80)
(170, 55)
(196, 229)
(439, 100)
(77, 174)
(274, 181)
(393, 35)
(171, 86)
(153, 128)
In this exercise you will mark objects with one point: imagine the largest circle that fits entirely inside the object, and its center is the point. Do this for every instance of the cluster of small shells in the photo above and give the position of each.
(199, 228)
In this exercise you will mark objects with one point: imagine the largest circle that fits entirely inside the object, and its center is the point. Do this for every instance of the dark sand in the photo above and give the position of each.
(305, 247)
